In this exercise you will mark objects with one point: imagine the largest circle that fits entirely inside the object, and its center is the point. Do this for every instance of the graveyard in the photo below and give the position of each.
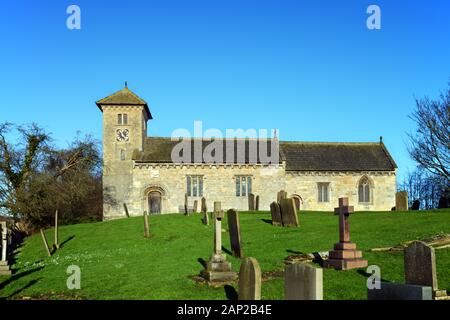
(118, 262)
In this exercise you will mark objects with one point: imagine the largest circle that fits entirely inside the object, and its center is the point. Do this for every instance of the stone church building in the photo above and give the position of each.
(139, 174)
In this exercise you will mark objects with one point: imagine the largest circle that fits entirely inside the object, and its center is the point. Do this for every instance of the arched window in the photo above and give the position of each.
(364, 192)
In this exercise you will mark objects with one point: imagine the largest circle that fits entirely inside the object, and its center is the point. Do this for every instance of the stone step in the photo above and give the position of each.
(3, 263)
(345, 264)
(4, 268)
(217, 276)
(5, 273)
(345, 246)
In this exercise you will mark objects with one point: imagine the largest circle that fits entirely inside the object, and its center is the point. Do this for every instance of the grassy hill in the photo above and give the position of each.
(117, 262)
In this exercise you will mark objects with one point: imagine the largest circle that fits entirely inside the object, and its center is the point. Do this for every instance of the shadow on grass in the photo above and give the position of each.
(29, 284)
(65, 241)
(202, 262)
(18, 276)
(269, 221)
(230, 292)
(293, 251)
(367, 275)
(227, 251)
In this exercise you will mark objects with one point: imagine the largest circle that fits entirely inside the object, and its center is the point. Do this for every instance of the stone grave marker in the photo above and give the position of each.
(195, 206)
(235, 233)
(4, 266)
(303, 282)
(146, 227)
(420, 267)
(250, 280)
(281, 195)
(257, 203)
(44, 239)
(276, 214)
(186, 209)
(218, 269)
(344, 256)
(288, 212)
(251, 202)
(398, 291)
(401, 201)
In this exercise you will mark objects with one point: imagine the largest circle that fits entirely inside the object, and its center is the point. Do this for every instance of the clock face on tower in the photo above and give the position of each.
(122, 135)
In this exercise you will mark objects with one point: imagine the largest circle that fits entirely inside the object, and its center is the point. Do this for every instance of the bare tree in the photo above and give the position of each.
(430, 144)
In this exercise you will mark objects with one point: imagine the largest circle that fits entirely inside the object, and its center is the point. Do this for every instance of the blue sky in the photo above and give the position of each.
(311, 69)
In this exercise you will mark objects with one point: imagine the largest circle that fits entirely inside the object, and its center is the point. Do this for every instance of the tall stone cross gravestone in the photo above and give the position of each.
(250, 280)
(420, 267)
(218, 269)
(344, 256)
(4, 267)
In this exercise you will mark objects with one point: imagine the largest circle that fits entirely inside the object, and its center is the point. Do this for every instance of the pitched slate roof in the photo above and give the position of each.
(299, 156)
(124, 97)
(335, 156)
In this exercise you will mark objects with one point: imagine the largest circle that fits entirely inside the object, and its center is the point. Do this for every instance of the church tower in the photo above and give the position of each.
(125, 117)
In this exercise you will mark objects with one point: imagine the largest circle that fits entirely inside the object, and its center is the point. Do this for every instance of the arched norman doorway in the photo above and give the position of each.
(298, 201)
(154, 202)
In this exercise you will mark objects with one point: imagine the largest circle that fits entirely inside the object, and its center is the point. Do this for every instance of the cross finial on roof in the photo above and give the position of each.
(126, 84)
(381, 139)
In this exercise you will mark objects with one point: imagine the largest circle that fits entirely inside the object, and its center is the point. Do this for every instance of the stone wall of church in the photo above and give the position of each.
(219, 184)
(342, 184)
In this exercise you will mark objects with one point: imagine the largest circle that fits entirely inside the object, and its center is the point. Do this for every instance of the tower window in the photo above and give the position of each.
(122, 118)
(122, 154)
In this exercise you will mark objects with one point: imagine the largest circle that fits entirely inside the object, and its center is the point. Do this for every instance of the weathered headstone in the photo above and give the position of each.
(303, 282)
(281, 195)
(186, 210)
(251, 202)
(276, 214)
(420, 267)
(250, 280)
(4, 266)
(401, 201)
(195, 206)
(257, 203)
(204, 207)
(218, 269)
(235, 233)
(344, 256)
(44, 239)
(146, 227)
(398, 291)
(288, 213)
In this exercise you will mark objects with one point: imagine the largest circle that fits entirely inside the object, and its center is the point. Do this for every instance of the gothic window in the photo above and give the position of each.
(364, 190)
(122, 118)
(194, 186)
(323, 192)
(243, 186)
(122, 154)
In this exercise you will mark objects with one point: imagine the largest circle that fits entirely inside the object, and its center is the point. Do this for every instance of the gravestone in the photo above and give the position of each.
(146, 228)
(398, 291)
(401, 201)
(4, 265)
(303, 282)
(234, 229)
(420, 267)
(125, 208)
(288, 213)
(251, 202)
(204, 207)
(56, 244)
(281, 195)
(195, 206)
(186, 210)
(218, 269)
(257, 203)
(344, 256)
(250, 280)
(276, 214)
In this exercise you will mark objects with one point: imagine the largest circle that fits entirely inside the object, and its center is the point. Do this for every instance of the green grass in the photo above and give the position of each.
(117, 262)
